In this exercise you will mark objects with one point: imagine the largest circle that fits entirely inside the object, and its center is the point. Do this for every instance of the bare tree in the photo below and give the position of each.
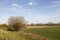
(16, 23)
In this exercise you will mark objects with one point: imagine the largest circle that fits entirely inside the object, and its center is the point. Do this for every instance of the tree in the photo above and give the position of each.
(32, 24)
(16, 23)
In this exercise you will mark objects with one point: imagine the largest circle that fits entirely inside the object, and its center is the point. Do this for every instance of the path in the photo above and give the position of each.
(34, 36)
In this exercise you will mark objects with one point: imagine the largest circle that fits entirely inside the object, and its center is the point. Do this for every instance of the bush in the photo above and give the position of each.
(16, 23)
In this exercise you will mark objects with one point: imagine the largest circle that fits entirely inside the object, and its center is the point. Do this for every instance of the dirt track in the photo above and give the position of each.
(34, 36)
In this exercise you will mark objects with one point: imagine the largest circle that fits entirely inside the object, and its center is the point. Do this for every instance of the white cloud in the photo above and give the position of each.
(32, 3)
(16, 5)
(56, 2)
(53, 6)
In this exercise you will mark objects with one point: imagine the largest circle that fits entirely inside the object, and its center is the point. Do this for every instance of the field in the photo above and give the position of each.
(7, 35)
(52, 33)
(41, 26)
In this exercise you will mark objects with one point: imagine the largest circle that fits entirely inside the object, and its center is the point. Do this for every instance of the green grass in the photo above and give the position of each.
(51, 33)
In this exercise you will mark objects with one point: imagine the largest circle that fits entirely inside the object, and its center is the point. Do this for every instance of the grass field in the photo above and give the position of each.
(51, 32)
(10, 35)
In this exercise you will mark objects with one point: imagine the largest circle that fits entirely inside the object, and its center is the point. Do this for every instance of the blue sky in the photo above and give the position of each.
(34, 11)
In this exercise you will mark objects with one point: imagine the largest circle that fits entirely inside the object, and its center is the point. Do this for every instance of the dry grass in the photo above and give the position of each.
(41, 26)
(37, 26)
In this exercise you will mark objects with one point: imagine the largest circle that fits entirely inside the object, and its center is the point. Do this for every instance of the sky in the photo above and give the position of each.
(34, 11)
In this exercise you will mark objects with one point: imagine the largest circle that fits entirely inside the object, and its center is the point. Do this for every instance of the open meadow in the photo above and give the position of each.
(47, 32)
(51, 32)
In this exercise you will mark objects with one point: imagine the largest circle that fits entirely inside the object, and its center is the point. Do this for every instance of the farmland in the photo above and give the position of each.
(52, 33)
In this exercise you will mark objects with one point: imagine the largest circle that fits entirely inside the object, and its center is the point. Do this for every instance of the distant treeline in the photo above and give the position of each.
(38, 24)
(46, 24)
(3, 25)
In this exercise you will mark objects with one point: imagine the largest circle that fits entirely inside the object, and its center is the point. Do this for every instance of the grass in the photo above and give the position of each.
(51, 33)
(12, 36)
